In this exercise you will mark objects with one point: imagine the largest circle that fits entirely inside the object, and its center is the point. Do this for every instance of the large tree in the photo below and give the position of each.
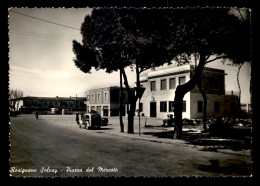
(144, 38)
(114, 39)
(210, 34)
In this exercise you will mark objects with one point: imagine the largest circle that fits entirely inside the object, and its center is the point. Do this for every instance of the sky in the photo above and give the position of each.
(41, 56)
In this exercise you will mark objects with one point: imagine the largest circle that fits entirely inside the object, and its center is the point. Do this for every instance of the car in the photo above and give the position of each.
(92, 120)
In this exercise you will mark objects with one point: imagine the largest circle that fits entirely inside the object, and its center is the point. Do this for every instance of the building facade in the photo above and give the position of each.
(31, 104)
(106, 101)
(160, 85)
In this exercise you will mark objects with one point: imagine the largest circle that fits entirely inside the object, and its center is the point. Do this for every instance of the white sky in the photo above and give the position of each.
(41, 56)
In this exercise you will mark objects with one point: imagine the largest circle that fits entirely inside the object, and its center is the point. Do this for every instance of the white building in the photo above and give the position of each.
(106, 101)
(158, 98)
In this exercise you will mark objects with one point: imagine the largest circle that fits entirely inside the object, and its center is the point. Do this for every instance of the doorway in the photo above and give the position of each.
(99, 109)
(152, 109)
(105, 111)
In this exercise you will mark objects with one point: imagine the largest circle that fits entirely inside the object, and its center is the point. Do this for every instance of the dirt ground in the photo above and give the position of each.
(56, 142)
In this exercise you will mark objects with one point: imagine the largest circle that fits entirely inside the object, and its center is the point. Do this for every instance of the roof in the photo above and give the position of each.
(110, 87)
(50, 98)
(173, 69)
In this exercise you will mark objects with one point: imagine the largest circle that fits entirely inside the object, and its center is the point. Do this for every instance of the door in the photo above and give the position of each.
(152, 109)
(105, 111)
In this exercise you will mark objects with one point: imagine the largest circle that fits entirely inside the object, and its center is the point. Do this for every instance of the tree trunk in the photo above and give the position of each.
(132, 101)
(180, 92)
(121, 104)
(205, 100)
(131, 113)
(238, 82)
(237, 106)
(132, 98)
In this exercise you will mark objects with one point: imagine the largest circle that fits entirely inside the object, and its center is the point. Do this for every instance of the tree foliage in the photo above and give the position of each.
(145, 38)
(210, 34)
(14, 95)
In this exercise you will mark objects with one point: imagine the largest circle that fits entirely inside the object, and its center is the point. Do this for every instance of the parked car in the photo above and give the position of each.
(92, 120)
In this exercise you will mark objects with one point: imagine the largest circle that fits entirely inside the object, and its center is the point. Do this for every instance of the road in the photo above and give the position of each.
(54, 146)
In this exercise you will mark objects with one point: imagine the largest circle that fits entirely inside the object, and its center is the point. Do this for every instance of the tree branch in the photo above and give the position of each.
(240, 14)
(207, 57)
(215, 59)
(125, 80)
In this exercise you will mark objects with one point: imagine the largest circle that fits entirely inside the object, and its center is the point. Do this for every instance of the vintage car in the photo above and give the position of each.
(92, 120)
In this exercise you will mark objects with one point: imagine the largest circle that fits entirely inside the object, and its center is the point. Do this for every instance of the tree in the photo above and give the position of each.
(145, 38)
(205, 99)
(14, 98)
(119, 38)
(121, 104)
(210, 34)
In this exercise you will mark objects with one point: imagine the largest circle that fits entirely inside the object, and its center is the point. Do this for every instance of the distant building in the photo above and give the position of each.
(30, 104)
(106, 101)
(160, 85)
(247, 107)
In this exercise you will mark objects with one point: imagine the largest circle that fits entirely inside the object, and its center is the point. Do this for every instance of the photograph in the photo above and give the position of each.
(130, 92)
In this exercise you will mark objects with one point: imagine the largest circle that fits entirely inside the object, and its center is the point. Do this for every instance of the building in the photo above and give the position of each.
(246, 107)
(31, 104)
(160, 85)
(106, 101)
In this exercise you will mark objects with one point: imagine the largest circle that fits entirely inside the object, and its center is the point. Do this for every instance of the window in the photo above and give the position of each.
(184, 106)
(217, 83)
(232, 106)
(216, 106)
(163, 84)
(105, 96)
(171, 106)
(153, 85)
(92, 97)
(200, 104)
(181, 80)
(92, 108)
(141, 107)
(172, 83)
(163, 106)
(99, 99)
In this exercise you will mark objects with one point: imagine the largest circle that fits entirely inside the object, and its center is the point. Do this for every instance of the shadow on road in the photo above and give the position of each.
(210, 143)
(223, 168)
(168, 134)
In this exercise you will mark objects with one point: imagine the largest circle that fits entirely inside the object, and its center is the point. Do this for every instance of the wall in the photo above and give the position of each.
(162, 95)
(224, 105)
(112, 101)
(213, 81)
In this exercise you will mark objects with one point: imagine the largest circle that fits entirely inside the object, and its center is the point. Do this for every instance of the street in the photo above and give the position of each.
(55, 146)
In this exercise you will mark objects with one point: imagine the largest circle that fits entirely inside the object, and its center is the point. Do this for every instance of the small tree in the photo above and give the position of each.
(14, 98)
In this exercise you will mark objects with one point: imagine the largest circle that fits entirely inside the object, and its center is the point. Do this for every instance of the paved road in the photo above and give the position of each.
(55, 146)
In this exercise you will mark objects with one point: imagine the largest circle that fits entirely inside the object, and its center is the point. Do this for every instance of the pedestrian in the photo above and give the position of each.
(36, 114)
(77, 118)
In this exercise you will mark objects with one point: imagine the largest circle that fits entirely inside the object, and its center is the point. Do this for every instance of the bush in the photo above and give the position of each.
(221, 127)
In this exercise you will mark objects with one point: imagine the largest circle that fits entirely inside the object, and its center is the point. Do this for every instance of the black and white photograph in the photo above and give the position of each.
(130, 92)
